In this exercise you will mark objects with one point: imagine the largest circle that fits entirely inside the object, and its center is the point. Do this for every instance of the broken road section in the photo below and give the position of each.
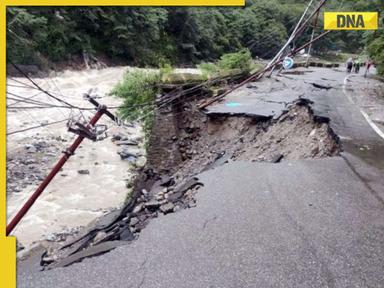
(185, 142)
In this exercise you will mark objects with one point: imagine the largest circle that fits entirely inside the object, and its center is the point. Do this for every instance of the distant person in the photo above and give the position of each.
(367, 67)
(356, 65)
(349, 65)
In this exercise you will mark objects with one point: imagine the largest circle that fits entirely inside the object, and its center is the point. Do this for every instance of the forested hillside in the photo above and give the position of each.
(175, 35)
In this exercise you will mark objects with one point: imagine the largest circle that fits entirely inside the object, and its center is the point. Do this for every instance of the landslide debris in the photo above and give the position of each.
(186, 141)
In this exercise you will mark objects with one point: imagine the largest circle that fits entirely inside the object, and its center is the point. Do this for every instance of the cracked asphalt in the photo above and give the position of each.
(302, 223)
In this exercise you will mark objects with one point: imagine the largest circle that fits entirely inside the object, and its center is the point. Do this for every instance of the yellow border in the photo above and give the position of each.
(125, 3)
(8, 244)
(371, 20)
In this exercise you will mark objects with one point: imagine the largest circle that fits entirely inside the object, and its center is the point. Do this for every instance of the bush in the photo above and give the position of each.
(233, 62)
(208, 69)
(241, 60)
(138, 89)
(376, 51)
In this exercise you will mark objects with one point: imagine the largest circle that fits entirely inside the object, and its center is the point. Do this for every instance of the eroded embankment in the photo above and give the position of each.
(185, 141)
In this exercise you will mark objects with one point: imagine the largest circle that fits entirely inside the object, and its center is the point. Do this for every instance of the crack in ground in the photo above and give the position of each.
(142, 267)
(209, 221)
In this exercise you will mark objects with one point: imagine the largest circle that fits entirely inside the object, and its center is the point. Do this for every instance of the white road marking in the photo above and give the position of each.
(346, 79)
(344, 137)
(372, 124)
(365, 115)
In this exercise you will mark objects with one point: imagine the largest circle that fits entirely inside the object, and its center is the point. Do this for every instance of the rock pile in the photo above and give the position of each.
(28, 164)
(129, 149)
(164, 197)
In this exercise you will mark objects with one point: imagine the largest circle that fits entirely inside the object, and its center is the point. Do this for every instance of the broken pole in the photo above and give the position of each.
(304, 25)
(67, 154)
(291, 37)
(309, 43)
(260, 73)
(295, 34)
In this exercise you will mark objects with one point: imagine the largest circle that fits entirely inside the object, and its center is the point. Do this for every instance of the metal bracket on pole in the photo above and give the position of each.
(83, 132)
(101, 107)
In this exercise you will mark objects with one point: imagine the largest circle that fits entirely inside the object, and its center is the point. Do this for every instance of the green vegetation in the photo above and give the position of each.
(337, 57)
(147, 36)
(138, 90)
(208, 69)
(237, 62)
(139, 87)
(241, 60)
(153, 36)
(369, 43)
(376, 46)
(376, 50)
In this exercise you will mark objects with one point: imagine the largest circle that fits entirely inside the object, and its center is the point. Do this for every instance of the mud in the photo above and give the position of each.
(196, 140)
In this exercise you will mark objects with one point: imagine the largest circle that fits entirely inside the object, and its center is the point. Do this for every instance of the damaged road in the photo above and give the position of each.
(296, 224)
(199, 142)
(315, 219)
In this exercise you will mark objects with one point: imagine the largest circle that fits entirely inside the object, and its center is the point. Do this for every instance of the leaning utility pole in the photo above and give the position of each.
(299, 29)
(312, 35)
(290, 39)
(83, 132)
(278, 59)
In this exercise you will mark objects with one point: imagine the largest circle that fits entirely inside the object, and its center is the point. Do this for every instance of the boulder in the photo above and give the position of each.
(83, 172)
(167, 208)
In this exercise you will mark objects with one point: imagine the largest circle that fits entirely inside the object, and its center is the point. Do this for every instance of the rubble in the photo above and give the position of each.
(127, 155)
(134, 221)
(119, 137)
(29, 166)
(138, 208)
(19, 246)
(153, 204)
(167, 207)
(126, 143)
(137, 214)
(62, 236)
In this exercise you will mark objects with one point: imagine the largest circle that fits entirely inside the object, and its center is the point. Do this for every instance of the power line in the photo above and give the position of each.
(26, 85)
(26, 100)
(18, 101)
(46, 105)
(38, 126)
(41, 89)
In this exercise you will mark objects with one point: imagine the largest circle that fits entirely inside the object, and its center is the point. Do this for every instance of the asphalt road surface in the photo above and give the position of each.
(303, 223)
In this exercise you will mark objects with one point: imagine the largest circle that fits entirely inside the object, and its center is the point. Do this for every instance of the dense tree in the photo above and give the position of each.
(144, 36)
(155, 36)
(376, 47)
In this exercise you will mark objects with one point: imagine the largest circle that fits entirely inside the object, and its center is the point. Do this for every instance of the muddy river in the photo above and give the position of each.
(92, 182)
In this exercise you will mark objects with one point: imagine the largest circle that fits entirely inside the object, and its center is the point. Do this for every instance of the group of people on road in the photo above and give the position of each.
(354, 64)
